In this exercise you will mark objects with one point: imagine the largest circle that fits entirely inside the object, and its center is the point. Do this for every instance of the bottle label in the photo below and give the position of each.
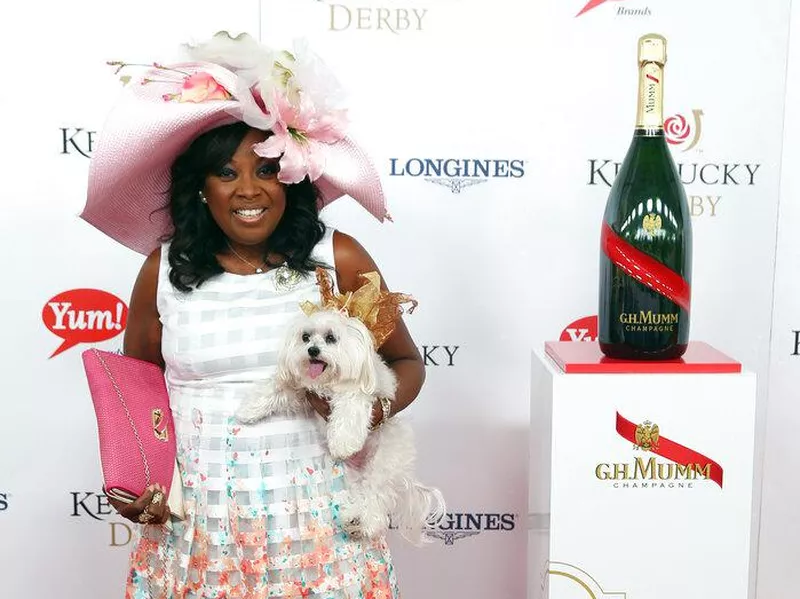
(650, 111)
(645, 269)
(649, 321)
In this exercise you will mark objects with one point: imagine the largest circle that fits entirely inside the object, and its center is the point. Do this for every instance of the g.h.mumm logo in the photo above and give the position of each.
(457, 173)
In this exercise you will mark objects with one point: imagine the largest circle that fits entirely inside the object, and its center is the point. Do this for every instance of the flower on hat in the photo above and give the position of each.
(299, 136)
(292, 94)
(194, 87)
(200, 87)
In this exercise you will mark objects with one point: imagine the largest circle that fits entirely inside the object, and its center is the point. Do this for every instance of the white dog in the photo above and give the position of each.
(332, 355)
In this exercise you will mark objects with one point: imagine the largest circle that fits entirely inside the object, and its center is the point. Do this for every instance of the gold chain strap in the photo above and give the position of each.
(128, 414)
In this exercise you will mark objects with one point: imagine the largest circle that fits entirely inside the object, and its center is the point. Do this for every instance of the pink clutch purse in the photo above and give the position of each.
(134, 425)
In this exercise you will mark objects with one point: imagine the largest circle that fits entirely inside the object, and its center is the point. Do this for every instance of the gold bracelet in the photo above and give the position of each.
(386, 407)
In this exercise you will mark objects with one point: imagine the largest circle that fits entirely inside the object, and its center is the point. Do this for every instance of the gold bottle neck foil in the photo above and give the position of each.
(652, 57)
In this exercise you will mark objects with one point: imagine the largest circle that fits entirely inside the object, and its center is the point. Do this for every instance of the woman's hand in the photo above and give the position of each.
(150, 508)
(320, 404)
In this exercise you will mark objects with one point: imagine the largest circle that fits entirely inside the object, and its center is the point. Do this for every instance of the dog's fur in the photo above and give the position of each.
(379, 465)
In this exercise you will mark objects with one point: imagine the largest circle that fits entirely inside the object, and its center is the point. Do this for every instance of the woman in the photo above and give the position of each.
(209, 305)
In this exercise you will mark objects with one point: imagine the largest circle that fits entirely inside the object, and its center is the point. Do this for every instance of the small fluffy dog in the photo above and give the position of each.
(332, 354)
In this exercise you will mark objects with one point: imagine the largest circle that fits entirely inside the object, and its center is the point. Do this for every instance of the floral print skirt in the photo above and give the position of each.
(261, 520)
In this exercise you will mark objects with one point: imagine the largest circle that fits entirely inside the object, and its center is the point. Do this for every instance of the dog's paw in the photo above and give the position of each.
(343, 444)
(364, 517)
(373, 524)
(350, 517)
(251, 410)
(353, 528)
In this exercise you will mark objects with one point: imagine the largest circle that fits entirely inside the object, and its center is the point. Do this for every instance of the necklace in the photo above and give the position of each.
(286, 278)
(258, 269)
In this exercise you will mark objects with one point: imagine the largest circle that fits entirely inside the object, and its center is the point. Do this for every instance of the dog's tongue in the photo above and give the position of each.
(315, 369)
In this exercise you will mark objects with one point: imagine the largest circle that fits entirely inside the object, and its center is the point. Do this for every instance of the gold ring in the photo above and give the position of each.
(158, 497)
(145, 517)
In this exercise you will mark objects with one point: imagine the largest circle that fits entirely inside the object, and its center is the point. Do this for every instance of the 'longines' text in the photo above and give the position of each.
(456, 167)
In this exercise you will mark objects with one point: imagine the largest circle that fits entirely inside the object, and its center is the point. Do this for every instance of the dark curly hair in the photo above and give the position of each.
(197, 239)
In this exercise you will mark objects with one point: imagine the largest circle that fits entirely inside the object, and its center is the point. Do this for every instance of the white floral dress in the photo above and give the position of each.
(261, 500)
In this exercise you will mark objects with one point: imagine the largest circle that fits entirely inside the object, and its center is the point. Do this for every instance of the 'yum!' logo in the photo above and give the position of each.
(84, 316)
(583, 329)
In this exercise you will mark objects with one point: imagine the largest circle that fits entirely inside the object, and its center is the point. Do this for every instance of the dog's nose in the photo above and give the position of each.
(313, 351)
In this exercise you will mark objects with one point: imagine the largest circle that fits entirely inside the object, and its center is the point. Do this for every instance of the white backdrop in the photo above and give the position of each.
(779, 545)
(499, 267)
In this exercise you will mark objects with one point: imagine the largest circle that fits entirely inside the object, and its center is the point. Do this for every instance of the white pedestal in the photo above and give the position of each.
(612, 519)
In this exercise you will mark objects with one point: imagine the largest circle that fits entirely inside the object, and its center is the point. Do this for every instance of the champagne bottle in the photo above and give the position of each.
(646, 238)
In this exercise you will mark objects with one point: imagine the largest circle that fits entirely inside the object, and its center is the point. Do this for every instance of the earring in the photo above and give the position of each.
(202, 197)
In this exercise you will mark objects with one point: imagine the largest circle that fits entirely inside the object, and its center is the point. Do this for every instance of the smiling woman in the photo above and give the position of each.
(245, 197)
(231, 213)
(249, 147)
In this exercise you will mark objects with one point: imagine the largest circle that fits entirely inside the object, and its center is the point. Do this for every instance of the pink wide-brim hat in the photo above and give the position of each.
(129, 173)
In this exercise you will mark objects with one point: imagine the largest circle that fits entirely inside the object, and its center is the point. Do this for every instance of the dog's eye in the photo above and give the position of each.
(330, 338)
(306, 337)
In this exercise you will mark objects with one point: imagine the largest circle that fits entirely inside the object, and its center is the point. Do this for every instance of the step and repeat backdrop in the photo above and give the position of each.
(497, 129)
(780, 528)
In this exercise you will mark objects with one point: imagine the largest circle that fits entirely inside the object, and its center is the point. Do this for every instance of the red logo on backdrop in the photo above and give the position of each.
(583, 329)
(679, 130)
(84, 316)
(592, 4)
(646, 436)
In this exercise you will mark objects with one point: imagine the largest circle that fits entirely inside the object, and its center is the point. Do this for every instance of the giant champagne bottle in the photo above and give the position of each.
(646, 238)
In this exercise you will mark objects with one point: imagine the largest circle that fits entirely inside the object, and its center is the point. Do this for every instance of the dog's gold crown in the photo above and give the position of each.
(379, 310)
